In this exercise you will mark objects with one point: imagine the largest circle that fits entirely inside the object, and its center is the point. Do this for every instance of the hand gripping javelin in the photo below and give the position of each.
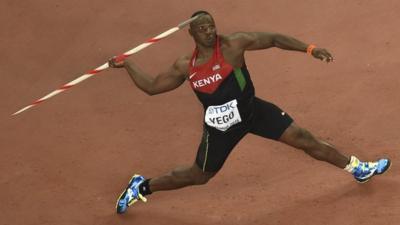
(105, 66)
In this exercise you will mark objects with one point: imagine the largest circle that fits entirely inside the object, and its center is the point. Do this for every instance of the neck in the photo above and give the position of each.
(204, 51)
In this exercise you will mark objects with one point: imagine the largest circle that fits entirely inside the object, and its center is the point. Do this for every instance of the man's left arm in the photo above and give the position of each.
(264, 40)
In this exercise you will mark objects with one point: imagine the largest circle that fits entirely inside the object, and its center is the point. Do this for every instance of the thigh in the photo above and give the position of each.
(215, 147)
(269, 120)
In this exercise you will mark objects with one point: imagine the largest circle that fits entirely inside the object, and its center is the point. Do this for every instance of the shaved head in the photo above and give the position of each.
(202, 13)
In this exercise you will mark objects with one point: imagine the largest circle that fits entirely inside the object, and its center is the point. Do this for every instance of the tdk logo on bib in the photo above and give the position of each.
(222, 117)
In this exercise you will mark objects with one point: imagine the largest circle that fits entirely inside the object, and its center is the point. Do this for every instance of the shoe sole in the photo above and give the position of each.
(384, 171)
(120, 196)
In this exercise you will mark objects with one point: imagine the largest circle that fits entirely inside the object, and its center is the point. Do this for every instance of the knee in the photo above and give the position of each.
(308, 143)
(311, 145)
(202, 178)
(304, 137)
(192, 176)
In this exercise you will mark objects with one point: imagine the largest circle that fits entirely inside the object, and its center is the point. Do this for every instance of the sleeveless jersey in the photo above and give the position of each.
(226, 93)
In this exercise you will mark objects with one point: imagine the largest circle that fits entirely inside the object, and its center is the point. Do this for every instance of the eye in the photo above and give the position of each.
(204, 28)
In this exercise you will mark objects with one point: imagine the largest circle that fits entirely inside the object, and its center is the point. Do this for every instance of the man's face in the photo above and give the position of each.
(203, 31)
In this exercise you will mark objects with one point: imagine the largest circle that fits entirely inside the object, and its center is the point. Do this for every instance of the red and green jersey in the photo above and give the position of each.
(222, 89)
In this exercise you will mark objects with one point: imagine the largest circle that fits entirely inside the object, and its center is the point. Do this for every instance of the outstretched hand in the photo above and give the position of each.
(322, 54)
(114, 63)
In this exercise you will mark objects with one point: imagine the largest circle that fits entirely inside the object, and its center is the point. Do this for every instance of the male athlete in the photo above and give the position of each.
(217, 73)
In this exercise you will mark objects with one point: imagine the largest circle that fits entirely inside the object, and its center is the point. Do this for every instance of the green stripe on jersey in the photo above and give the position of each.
(240, 78)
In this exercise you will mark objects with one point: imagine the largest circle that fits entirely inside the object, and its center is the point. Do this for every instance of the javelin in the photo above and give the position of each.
(106, 66)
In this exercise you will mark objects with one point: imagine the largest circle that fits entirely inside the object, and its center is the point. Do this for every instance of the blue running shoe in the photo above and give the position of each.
(365, 170)
(131, 194)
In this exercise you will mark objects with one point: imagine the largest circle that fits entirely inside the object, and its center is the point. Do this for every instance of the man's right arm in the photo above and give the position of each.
(161, 83)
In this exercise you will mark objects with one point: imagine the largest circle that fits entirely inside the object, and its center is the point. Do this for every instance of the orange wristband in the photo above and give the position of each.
(310, 48)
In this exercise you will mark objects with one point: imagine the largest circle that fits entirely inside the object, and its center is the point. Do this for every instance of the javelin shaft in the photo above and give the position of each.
(106, 66)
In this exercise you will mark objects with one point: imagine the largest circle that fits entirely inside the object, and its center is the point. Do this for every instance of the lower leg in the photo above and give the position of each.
(316, 148)
(179, 178)
(324, 151)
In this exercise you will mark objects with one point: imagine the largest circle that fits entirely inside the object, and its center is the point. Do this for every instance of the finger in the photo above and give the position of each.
(111, 62)
(324, 58)
(328, 55)
(320, 57)
(330, 58)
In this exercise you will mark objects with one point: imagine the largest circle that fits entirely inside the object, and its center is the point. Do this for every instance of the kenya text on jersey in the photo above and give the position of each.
(206, 81)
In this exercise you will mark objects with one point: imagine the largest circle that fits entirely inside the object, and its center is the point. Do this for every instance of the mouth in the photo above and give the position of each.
(210, 39)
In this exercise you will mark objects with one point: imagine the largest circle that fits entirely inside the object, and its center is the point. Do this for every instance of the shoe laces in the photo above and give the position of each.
(365, 167)
(134, 194)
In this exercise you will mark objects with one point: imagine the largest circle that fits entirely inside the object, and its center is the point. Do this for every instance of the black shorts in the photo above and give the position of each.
(267, 121)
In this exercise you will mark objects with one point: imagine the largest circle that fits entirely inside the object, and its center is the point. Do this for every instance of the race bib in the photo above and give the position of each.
(223, 116)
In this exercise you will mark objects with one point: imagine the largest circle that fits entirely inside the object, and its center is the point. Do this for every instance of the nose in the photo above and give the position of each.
(210, 30)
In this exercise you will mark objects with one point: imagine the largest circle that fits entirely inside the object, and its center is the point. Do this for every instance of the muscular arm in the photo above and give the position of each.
(161, 83)
(264, 40)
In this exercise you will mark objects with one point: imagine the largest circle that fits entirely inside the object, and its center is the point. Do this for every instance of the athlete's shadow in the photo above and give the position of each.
(349, 204)
(149, 217)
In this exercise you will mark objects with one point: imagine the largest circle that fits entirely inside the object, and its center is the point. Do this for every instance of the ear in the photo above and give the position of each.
(190, 32)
